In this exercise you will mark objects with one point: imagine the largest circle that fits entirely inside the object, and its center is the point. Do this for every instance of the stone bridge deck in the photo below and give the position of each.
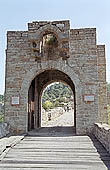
(53, 149)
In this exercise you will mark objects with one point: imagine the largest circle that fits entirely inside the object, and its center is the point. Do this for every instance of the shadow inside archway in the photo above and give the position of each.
(59, 131)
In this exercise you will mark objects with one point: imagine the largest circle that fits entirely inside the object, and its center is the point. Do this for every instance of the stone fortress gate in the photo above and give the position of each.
(49, 52)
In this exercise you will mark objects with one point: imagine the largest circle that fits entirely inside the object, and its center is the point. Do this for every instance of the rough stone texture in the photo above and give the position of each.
(108, 97)
(3, 129)
(102, 133)
(102, 93)
(78, 58)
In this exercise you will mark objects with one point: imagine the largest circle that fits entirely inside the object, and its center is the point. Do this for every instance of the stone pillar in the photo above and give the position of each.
(102, 94)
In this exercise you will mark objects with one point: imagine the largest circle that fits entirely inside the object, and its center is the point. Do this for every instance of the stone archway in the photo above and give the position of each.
(37, 70)
(75, 53)
(35, 92)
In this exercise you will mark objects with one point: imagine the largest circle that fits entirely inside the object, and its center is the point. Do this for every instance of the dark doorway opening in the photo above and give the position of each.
(31, 106)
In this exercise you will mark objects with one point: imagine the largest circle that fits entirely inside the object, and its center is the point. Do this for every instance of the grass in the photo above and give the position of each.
(108, 111)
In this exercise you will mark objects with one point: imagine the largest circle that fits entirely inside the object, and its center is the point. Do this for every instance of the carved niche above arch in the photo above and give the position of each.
(49, 40)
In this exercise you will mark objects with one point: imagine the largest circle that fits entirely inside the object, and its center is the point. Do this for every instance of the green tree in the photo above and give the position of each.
(56, 93)
(47, 105)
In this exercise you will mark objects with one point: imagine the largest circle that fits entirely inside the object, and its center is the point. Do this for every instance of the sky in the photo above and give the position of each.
(15, 14)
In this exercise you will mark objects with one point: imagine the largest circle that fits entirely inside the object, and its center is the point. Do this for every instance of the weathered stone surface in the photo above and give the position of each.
(102, 93)
(6, 143)
(53, 149)
(102, 133)
(82, 61)
(3, 129)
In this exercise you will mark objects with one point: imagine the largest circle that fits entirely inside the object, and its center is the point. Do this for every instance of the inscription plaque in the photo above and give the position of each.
(15, 101)
(89, 98)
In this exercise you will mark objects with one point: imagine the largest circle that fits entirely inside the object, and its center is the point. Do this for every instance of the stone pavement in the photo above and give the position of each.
(51, 148)
(66, 119)
(7, 143)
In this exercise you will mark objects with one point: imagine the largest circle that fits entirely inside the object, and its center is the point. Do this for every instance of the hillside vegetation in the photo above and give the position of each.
(56, 95)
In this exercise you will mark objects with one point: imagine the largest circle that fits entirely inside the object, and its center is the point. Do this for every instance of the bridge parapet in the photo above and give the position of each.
(102, 133)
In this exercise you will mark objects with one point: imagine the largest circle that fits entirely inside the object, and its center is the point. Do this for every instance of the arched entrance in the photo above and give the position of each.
(35, 92)
(46, 48)
(57, 105)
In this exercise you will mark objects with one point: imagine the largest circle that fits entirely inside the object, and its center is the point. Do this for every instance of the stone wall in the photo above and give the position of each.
(102, 92)
(108, 96)
(3, 129)
(77, 58)
(102, 133)
(83, 61)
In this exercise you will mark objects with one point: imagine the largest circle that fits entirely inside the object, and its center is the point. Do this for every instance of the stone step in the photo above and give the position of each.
(56, 152)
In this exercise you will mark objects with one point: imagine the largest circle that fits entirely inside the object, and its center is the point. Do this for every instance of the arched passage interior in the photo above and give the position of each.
(35, 93)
